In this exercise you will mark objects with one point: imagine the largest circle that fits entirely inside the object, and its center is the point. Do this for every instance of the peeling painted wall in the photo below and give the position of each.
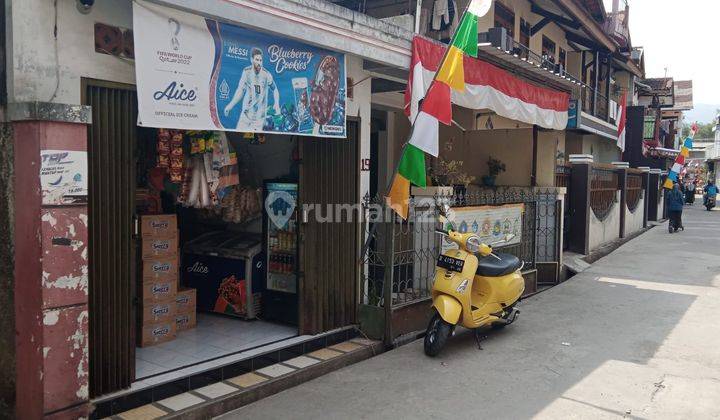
(51, 300)
(7, 307)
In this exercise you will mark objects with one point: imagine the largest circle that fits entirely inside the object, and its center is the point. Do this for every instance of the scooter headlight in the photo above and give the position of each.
(473, 244)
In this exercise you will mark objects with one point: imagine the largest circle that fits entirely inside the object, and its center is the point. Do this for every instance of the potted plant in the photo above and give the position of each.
(450, 174)
(495, 166)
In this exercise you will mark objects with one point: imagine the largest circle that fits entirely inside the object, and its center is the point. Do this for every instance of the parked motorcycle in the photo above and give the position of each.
(709, 202)
(470, 291)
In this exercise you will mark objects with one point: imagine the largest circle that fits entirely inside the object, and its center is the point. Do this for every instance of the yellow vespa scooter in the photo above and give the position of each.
(472, 292)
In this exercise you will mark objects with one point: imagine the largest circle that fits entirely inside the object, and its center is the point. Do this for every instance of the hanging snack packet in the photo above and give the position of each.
(163, 148)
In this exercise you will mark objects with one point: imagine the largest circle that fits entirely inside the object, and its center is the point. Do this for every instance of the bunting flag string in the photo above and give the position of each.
(677, 167)
(436, 108)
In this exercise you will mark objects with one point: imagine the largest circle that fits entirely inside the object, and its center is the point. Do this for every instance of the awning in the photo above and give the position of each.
(486, 87)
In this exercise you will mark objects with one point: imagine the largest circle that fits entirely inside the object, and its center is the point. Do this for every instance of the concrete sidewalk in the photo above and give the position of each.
(636, 335)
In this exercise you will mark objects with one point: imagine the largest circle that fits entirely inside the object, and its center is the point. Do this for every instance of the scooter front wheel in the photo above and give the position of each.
(436, 335)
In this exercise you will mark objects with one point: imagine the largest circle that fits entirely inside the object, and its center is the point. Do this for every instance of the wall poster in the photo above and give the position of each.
(63, 177)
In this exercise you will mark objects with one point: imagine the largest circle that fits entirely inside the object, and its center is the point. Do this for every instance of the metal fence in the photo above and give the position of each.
(634, 191)
(399, 262)
(603, 191)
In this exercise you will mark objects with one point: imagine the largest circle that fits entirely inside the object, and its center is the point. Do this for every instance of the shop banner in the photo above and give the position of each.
(490, 223)
(199, 74)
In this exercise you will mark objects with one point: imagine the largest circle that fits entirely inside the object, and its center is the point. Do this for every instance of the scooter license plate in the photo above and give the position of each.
(450, 263)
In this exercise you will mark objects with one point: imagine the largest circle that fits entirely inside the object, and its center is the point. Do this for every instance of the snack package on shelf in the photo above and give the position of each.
(241, 204)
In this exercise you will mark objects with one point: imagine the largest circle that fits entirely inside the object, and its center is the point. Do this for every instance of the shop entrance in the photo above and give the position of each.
(175, 280)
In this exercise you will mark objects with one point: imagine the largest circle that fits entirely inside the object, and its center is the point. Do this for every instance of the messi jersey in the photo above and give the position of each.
(256, 87)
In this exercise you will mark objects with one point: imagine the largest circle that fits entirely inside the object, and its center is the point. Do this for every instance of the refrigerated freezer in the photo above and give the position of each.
(227, 269)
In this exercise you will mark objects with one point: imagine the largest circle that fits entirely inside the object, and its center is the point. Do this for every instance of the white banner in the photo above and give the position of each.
(490, 223)
(199, 74)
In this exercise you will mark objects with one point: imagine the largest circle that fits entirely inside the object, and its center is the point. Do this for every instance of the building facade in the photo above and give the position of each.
(72, 295)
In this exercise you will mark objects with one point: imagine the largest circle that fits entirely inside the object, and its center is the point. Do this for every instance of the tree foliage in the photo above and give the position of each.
(705, 131)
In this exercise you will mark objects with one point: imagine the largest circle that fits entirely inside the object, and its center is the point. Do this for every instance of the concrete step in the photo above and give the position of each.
(235, 392)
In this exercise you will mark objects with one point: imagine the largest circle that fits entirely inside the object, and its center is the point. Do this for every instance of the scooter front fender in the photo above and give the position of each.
(448, 307)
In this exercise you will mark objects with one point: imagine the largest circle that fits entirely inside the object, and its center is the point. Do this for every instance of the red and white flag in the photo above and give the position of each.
(485, 87)
(622, 116)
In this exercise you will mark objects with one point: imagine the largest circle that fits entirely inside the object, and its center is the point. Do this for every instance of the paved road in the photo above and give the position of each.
(635, 336)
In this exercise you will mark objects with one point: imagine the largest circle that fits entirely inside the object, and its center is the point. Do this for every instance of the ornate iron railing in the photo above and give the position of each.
(603, 191)
(399, 263)
(633, 191)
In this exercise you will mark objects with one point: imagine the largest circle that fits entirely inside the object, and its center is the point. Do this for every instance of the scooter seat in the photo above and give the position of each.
(493, 267)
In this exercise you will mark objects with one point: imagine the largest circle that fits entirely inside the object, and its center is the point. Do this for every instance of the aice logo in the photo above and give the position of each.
(161, 288)
(182, 320)
(161, 310)
(175, 92)
(161, 331)
(182, 300)
(198, 268)
(161, 267)
(159, 224)
(160, 246)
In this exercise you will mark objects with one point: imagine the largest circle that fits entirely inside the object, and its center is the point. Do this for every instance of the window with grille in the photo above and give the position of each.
(524, 39)
(548, 49)
(505, 18)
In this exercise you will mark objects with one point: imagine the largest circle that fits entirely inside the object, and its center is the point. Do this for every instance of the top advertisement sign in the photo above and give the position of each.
(201, 74)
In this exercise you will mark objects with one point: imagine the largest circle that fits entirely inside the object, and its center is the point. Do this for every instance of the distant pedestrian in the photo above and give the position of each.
(675, 202)
(690, 192)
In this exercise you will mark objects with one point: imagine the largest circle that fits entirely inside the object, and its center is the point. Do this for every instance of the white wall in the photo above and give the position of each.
(359, 106)
(33, 73)
(602, 149)
(634, 220)
(602, 232)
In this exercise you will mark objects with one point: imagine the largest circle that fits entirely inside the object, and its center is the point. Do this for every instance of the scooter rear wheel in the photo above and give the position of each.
(436, 335)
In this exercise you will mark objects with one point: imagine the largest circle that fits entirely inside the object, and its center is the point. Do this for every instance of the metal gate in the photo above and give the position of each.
(112, 271)
(329, 180)
(397, 268)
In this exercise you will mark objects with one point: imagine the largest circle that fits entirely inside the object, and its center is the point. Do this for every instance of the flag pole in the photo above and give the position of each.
(412, 127)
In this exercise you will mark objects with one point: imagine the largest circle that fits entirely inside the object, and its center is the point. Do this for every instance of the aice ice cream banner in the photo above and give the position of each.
(201, 74)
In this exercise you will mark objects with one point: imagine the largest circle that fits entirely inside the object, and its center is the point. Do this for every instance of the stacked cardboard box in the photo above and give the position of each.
(185, 306)
(159, 279)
